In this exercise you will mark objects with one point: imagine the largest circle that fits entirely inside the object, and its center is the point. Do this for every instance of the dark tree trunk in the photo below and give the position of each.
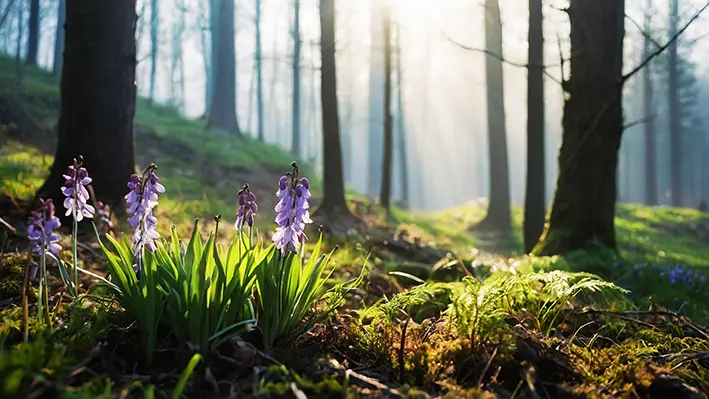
(296, 144)
(153, 49)
(385, 190)
(33, 38)
(59, 39)
(498, 213)
(259, 72)
(674, 112)
(535, 198)
(97, 98)
(222, 111)
(403, 153)
(333, 204)
(583, 210)
(650, 156)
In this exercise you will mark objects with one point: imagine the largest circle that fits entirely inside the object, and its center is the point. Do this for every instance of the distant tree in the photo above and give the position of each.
(259, 72)
(387, 150)
(401, 121)
(97, 94)
(211, 61)
(33, 38)
(649, 108)
(154, 23)
(222, 111)
(177, 82)
(498, 212)
(674, 111)
(59, 38)
(535, 198)
(376, 102)
(583, 209)
(6, 12)
(296, 144)
(333, 205)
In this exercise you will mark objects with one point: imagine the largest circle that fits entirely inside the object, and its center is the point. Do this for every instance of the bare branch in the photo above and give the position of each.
(640, 121)
(659, 51)
(8, 7)
(645, 34)
(503, 59)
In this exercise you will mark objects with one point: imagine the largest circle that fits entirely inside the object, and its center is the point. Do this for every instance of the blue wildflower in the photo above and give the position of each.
(141, 201)
(77, 178)
(247, 208)
(41, 226)
(292, 211)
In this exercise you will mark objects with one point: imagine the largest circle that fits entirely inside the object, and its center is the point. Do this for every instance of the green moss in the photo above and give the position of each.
(12, 274)
(22, 170)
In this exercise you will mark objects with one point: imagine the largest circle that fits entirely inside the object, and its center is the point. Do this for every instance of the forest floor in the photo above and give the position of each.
(546, 332)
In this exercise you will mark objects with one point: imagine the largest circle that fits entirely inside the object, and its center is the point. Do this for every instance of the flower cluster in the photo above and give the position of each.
(292, 211)
(247, 208)
(141, 200)
(74, 189)
(104, 216)
(42, 224)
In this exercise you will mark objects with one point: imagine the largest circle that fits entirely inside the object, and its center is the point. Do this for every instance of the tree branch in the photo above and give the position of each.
(645, 34)
(503, 59)
(659, 51)
(8, 7)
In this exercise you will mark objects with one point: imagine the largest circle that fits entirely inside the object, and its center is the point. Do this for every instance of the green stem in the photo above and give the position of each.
(73, 253)
(42, 282)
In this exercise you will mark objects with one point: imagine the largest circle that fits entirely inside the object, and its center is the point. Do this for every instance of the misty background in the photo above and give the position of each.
(443, 117)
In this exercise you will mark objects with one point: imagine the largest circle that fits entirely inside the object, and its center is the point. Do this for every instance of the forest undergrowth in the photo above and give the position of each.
(417, 305)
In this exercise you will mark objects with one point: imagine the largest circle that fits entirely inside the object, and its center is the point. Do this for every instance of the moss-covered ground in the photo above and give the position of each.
(487, 322)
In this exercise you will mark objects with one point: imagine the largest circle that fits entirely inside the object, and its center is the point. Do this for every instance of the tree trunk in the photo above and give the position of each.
(177, 82)
(498, 213)
(222, 112)
(376, 103)
(33, 38)
(649, 107)
(401, 122)
(214, 9)
(296, 144)
(259, 72)
(59, 39)
(583, 210)
(97, 98)
(20, 31)
(333, 205)
(153, 49)
(535, 198)
(674, 112)
(385, 190)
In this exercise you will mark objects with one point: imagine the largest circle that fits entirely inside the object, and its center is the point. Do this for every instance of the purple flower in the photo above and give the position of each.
(292, 211)
(141, 200)
(247, 208)
(74, 189)
(41, 226)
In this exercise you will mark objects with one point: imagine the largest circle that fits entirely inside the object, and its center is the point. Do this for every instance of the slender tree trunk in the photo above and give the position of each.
(535, 198)
(385, 190)
(33, 38)
(20, 32)
(583, 210)
(177, 93)
(376, 103)
(97, 98)
(401, 122)
(6, 13)
(674, 112)
(649, 107)
(333, 205)
(153, 49)
(214, 18)
(296, 145)
(59, 38)
(222, 112)
(259, 72)
(498, 213)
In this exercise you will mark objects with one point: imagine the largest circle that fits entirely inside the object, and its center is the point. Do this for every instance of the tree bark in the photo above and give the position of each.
(387, 153)
(33, 38)
(673, 103)
(583, 210)
(212, 60)
(376, 103)
(59, 39)
(296, 144)
(259, 72)
(153, 49)
(498, 213)
(535, 198)
(649, 107)
(333, 205)
(97, 93)
(222, 111)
